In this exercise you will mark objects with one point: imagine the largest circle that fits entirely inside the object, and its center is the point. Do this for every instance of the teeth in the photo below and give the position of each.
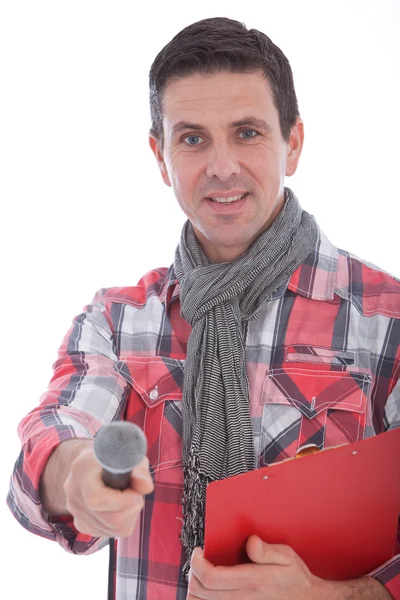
(228, 200)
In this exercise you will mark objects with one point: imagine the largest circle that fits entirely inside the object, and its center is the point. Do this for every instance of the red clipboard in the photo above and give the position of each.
(338, 509)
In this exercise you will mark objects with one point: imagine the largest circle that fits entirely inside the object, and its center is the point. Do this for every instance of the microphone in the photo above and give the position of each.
(118, 448)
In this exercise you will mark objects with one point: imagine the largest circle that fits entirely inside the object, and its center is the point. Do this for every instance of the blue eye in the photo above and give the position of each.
(193, 140)
(249, 134)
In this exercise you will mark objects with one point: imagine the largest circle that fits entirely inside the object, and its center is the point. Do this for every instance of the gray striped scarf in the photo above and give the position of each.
(217, 299)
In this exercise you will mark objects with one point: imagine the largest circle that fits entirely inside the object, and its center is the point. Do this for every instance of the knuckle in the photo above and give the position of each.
(193, 583)
(253, 585)
(93, 501)
(136, 504)
(91, 504)
(68, 486)
(70, 506)
(82, 526)
(126, 531)
(207, 580)
(145, 463)
(121, 523)
(117, 521)
(139, 504)
(288, 551)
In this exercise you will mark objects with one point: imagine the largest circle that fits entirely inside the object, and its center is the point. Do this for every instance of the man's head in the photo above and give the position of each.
(221, 44)
(225, 122)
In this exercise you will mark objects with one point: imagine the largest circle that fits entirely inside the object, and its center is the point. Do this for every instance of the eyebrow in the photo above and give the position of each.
(245, 122)
(252, 122)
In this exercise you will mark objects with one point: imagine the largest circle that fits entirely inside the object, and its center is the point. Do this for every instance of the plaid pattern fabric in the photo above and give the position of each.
(323, 362)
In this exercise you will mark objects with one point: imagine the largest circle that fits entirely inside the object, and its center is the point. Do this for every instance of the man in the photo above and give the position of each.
(197, 355)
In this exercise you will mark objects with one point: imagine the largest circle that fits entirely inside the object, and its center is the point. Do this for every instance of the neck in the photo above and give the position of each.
(218, 253)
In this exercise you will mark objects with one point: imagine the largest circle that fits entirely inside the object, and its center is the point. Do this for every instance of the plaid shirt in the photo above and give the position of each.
(123, 358)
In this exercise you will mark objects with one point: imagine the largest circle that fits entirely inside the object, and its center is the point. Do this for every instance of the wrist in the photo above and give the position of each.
(56, 472)
(364, 588)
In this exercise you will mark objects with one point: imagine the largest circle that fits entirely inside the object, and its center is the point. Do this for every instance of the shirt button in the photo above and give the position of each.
(154, 394)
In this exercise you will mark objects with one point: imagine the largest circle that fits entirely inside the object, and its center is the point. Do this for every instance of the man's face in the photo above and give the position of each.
(225, 157)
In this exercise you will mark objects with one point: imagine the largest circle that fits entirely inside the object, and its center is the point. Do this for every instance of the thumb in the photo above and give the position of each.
(262, 553)
(141, 480)
(256, 550)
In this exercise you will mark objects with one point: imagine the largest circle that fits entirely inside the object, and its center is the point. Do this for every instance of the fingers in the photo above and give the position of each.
(210, 577)
(94, 520)
(209, 582)
(196, 590)
(116, 525)
(282, 575)
(243, 577)
(101, 511)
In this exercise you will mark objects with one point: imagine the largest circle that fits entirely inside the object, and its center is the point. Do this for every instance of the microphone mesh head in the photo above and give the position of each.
(120, 446)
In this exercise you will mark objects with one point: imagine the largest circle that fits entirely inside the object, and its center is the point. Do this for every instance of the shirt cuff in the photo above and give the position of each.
(389, 575)
(24, 500)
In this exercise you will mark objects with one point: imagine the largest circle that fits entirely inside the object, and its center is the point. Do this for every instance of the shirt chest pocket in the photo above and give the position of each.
(311, 405)
(155, 405)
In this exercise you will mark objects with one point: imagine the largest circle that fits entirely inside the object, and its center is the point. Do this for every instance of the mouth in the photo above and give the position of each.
(228, 200)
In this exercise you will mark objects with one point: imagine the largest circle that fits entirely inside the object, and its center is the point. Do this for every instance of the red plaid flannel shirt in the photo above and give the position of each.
(123, 358)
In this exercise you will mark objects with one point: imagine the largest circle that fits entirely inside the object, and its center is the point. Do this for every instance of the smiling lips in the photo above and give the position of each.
(227, 199)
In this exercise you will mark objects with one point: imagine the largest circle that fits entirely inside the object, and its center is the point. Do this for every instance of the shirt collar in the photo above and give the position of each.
(315, 278)
(172, 288)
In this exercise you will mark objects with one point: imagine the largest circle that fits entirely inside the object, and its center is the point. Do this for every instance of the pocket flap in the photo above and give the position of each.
(314, 390)
(315, 354)
(155, 378)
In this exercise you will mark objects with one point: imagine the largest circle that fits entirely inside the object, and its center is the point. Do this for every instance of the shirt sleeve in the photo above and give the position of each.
(389, 573)
(85, 393)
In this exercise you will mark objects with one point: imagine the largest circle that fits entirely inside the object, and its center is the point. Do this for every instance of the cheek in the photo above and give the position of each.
(262, 162)
(184, 174)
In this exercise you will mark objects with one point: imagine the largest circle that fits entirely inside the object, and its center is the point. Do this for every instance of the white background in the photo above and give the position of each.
(83, 205)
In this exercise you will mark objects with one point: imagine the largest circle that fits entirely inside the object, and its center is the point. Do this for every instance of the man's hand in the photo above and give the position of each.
(97, 510)
(276, 573)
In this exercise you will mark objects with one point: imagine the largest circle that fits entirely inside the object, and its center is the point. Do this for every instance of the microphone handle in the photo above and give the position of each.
(117, 481)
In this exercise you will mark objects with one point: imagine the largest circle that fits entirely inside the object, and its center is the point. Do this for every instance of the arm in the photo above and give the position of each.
(365, 588)
(85, 393)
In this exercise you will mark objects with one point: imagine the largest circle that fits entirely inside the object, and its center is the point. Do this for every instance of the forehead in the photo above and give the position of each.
(220, 95)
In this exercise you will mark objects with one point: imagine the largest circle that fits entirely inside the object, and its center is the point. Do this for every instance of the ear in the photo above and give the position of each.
(155, 146)
(295, 146)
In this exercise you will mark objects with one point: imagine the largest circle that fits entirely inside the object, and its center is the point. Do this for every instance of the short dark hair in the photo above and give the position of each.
(220, 44)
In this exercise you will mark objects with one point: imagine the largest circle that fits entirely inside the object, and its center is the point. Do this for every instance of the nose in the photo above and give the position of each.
(222, 161)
